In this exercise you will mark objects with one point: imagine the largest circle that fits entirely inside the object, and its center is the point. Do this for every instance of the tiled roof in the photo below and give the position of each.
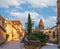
(16, 22)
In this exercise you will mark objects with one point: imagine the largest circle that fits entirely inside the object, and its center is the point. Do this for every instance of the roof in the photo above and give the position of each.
(16, 22)
(54, 27)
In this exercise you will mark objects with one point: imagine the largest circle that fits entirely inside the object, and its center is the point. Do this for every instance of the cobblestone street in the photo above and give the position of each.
(13, 45)
(18, 45)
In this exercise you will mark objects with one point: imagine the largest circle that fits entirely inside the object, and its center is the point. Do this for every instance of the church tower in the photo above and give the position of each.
(58, 22)
(41, 25)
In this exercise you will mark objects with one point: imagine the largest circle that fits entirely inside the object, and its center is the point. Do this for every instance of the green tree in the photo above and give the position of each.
(29, 25)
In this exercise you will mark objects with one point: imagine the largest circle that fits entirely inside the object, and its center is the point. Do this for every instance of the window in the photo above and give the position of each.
(53, 34)
(49, 31)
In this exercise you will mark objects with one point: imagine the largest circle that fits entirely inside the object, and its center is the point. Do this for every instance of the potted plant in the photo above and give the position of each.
(33, 40)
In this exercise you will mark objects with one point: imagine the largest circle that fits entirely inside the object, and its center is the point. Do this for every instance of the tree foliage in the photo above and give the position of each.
(29, 24)
(38, 35)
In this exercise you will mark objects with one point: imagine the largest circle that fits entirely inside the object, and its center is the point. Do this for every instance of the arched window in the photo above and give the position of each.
(49, 31)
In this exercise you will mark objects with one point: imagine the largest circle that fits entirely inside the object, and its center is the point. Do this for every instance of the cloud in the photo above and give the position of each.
(7, 3)
(42, 3)
(55, 9)
(23, 16)
(34, 3)
(50, 21)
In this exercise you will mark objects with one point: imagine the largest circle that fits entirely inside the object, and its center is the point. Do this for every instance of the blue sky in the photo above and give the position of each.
(19, 9)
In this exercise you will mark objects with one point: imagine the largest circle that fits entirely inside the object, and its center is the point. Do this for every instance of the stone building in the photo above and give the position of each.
(2, 30)
(58, 21)
(52, 32)
(14, 29)
(41, 25)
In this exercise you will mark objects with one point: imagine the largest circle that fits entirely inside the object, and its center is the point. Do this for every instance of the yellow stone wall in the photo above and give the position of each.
(14, 32)
(9, 32)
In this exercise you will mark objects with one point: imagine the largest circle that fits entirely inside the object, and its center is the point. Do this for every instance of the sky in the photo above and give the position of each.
(19, 9)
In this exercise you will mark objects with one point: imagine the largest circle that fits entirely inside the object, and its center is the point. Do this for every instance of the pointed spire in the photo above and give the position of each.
(41, 23)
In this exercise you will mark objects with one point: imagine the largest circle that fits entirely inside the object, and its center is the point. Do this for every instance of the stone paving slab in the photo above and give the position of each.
(49, 47)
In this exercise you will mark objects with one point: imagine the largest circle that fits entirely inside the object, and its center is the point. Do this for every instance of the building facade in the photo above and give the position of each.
(14, 29)
(2, 30)
(58, 21)
(52, 32)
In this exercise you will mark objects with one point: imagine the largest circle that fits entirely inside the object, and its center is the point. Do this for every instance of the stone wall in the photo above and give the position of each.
(58, 21)
(2, 36)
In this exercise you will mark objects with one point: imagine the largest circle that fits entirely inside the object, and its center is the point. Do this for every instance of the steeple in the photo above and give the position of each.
(41, 24)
